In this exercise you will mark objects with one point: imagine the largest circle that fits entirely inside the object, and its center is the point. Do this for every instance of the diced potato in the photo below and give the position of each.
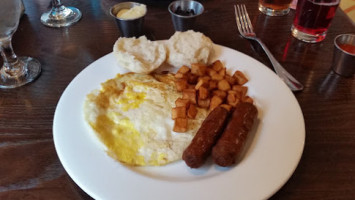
(178, 112)
(217, 77)
(230, 79)
(240, 77)
(181, 84)
(182, 102)
(192, 111)
(189, 94)
(203, 103)
(205, 79)
(247, 99)
(180, 125)
(180, 76)
(192, 78)
(226, 106)
(232, 92)
(220, 93)
(213, 84)
(222, 72)
(211, 72)
(217, 65)
(232, 100)
(215, 101)
(198, 69)
(183, 70)
(242, 89)
(202, 93)
(223, 85)
(199, 84)
(235, 103)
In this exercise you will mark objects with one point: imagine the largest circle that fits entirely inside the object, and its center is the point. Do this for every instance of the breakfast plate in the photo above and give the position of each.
(272, 153)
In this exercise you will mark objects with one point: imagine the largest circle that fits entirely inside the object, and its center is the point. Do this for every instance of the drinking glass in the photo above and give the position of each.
(312, 19)
(275, 7)
(60, 15)
(16, 71)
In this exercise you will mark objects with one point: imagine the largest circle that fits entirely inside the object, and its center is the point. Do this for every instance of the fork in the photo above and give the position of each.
(246, 30)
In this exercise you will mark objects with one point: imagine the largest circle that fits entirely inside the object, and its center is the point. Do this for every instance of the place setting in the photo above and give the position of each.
(184, 117)
(163, 167)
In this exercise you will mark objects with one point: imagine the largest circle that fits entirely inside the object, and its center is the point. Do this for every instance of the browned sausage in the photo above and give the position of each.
(232, 140)
(201, 145)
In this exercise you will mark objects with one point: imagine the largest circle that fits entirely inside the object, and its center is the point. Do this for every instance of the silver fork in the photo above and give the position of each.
(246, 30)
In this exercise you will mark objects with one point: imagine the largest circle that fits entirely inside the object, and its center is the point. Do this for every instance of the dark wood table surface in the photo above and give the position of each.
(29, 165)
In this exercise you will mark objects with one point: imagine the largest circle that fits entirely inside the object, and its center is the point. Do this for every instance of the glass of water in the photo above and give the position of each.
(60, 15)
(15, 71)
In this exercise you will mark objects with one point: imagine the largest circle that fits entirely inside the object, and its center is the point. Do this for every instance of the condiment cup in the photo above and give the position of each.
(184, 13)
(344, 55)
(128, 27)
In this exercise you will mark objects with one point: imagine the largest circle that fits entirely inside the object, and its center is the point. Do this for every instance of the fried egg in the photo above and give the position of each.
(131, 115)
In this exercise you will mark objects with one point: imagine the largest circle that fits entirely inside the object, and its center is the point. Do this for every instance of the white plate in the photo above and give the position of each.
(273, 151)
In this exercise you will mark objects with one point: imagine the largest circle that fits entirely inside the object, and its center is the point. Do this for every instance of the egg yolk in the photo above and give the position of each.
(131, 99)
(121, 138)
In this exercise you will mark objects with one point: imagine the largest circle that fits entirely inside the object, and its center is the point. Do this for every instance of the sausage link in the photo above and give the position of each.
(232, 140)
(201, 145)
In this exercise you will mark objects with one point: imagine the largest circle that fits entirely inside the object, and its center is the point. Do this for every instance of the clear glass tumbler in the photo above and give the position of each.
(15, 71)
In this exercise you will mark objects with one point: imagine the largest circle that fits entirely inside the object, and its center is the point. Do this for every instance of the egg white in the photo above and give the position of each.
(131, 114)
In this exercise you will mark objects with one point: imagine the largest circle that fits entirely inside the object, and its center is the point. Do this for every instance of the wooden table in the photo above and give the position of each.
(29, 166)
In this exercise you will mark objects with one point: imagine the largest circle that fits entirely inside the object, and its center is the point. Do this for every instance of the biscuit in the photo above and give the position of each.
(139, 55)
(189, 47)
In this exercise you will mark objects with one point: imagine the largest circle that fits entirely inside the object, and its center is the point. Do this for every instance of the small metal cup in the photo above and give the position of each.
(184, 22)
(344, 60)
(128, 27)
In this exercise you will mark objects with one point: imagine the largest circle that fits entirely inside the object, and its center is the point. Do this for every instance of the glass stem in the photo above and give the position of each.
(12, 65)
(56, 3)
(59, 11)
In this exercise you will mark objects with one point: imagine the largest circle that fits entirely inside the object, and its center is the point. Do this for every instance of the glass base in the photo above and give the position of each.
(272, 12)
(61, 17)
(29, 71)
(306, 37)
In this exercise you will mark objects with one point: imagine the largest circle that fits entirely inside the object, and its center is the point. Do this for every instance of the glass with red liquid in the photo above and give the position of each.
(275, 7)
(313, 18)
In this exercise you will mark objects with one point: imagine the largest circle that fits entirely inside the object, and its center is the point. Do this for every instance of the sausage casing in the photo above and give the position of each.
(232, 140)
(201, 145)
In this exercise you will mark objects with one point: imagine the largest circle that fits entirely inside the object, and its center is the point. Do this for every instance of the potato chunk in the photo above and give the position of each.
(240, 77)
(223, 85)
(182, 102)
(189, 94)
(242, 89)
(178, 112)
(192, 111)
(180, 76)
(213, 84)
(215, 101)
(203, 103)
(217, 77)
(220, 93)
(198, 69)
(180, 84)
(183, 70)
(180, 125)
(217, 65)
(226, 106)
(202, 93)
